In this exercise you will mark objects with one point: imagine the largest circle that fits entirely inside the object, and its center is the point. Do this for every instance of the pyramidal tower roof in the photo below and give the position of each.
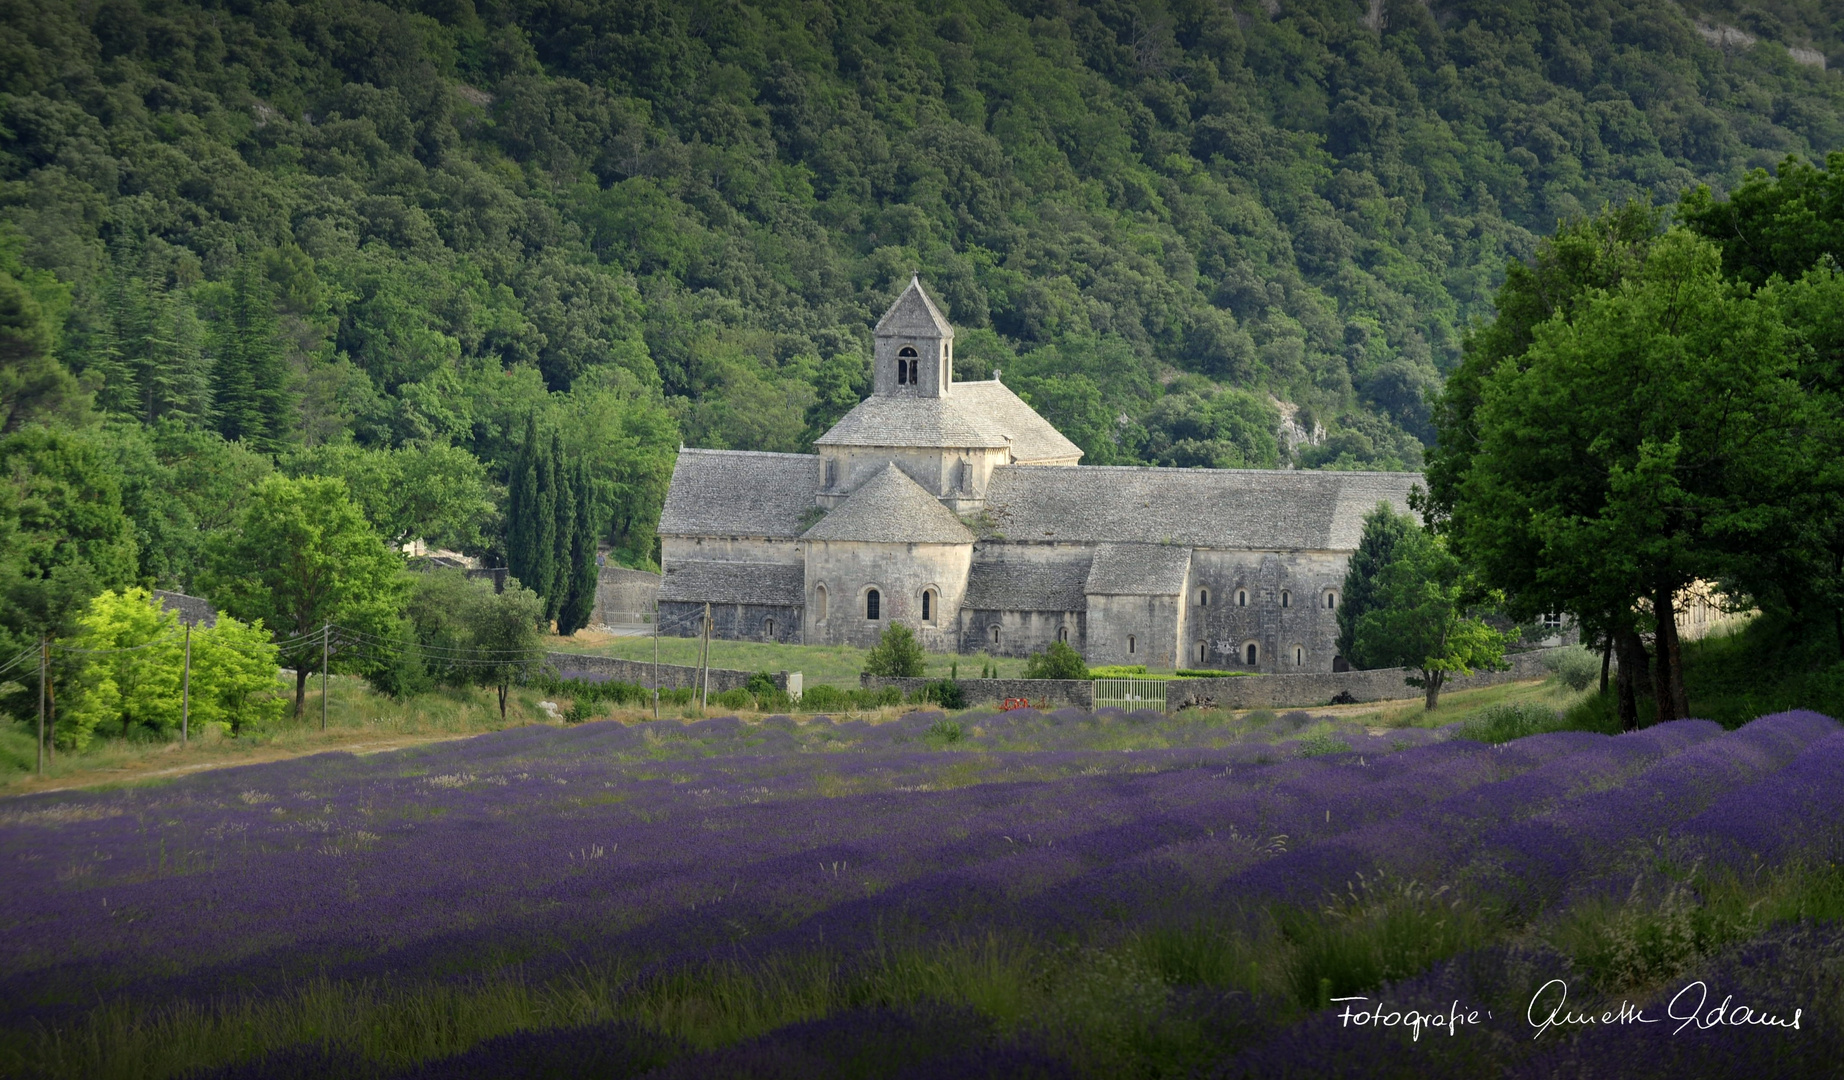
(890, 508)
(915, 314)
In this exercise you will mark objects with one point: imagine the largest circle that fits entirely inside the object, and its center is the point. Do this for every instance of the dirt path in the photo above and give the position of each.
(155, 765)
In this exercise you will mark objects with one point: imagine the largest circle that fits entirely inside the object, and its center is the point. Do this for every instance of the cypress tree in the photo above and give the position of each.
(579, 601)
(521, 510)
(563, 505)
(543, 565)
(1384, 530)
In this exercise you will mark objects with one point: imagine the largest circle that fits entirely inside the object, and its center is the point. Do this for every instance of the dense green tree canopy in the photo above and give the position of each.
(300, 558)
(1422, 615)
(408, 223)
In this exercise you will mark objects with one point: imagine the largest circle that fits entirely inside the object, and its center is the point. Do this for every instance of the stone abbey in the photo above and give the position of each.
(955, 509)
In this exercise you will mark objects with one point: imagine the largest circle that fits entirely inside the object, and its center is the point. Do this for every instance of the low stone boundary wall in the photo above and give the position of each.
(1303, 691)
(1238, 692)
(1057, 692)
(671, 676)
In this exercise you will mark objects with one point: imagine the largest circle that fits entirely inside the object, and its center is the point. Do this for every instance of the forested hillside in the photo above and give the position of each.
(374, 239)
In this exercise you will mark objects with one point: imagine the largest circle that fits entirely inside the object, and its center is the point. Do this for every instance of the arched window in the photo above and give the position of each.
(1252, 652)
(873, 604)
(1130, 643)
(1331, 599)
(819, 603)
(928, 605)
(1286, 598)
(832, 474)
(1203, 598)
(768, 628)
(1203, 652)
(1299, 656)
(1062, 634)
(1242, 598)
(906, 367)
(995, 635)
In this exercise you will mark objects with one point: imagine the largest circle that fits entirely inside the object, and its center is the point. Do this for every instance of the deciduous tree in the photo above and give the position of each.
(302, 558)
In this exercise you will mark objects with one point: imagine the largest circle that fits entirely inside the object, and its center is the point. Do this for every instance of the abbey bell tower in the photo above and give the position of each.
(915, 348)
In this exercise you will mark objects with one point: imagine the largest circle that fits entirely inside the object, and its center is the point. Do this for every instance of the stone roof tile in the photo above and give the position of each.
(1028, 585)
(915, 313)
(1260, 509)
(702, 580)
(1138, 570)
(1000, 411)
(911, 420)
(890, 508)
(739, 493)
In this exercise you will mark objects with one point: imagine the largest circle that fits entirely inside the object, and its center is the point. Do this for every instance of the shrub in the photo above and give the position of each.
(1059, 661)
(580, 710)
(946, 731)
(1207, 673)
(897, 655)
(1575, 666)
(1321, 745)
(946, 693)
(1117, 671)
(821, 697)
(735, 699)
(824, 698)
(1502, 723)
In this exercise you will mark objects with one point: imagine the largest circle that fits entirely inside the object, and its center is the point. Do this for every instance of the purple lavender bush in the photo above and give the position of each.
(1057, 891)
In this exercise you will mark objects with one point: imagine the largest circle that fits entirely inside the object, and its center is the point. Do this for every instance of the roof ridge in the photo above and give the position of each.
(753, 453)
(1195, 470)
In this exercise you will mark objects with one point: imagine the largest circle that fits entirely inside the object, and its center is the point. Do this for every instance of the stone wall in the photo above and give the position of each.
(671, 676)
(1318, 688)
(1057, 692)
(731, 622)
(624, 597)
(1243, 692)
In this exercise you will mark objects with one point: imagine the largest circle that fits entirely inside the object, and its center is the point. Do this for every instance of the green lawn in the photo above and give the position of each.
(835, 665)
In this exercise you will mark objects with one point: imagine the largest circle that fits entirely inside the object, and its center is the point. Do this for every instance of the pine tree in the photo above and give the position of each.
(175, 381)
(579, 601)
(563, 505)
(250, 381)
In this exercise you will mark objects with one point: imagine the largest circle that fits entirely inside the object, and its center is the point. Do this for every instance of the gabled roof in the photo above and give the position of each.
(717, 582)
(998, 410)
(1138, 570)
(1002, 584)
(739, 493)
(914, 314)
(972, 414)
(890, 508)
(1260, 509)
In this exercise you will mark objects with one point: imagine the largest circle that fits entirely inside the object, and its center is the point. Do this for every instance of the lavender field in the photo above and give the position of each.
(1022, 894)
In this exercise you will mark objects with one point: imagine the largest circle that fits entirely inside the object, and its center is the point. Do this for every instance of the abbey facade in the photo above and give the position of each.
(955, 509)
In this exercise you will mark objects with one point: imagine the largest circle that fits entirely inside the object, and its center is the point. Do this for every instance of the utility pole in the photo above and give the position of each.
(44, 659)
(704, 697)
(185, 691)
(326, 651)
(656, 659)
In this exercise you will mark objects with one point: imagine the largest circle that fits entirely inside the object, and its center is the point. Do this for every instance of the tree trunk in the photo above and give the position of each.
(1837, 626)
(502, 702)
(300, 691)
(1626, 681)
(1668, 678)
(1432, 682)
(1606, 661)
